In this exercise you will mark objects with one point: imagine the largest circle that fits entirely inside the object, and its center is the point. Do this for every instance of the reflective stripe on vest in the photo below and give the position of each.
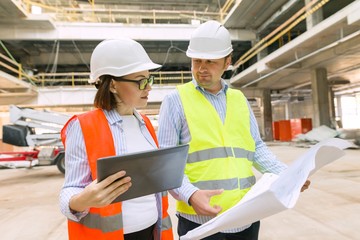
(227, 184)
(166, 223)
(220, 154)
(107, 223)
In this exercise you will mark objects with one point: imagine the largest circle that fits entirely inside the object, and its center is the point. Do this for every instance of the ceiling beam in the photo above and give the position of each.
(99, 31)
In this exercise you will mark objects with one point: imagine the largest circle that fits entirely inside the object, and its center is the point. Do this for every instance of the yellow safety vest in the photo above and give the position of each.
(220, 155)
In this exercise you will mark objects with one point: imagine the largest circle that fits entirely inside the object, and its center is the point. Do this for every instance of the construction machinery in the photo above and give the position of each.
(39, 130)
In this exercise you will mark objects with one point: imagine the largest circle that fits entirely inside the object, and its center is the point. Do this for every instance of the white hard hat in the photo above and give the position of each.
(210, 40)
(119, 57)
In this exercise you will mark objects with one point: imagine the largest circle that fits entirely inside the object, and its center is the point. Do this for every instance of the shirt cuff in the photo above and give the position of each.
(77, 216)
(187, 192)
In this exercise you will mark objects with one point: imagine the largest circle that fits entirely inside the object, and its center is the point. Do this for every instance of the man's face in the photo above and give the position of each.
(208, 72)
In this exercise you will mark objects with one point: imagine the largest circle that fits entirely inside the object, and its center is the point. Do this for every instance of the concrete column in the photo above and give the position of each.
(265, 121)
(314, 18)
(287, 110)
(320, 97)
(339, 111)
(267, 115)
(332, 107)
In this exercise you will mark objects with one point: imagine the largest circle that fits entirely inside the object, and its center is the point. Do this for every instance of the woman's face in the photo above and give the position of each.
(127, 93)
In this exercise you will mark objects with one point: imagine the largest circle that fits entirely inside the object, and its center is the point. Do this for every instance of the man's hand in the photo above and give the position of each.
(200, 202)
(306, 185)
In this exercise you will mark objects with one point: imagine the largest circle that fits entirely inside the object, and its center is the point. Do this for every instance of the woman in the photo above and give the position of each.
(120, 71)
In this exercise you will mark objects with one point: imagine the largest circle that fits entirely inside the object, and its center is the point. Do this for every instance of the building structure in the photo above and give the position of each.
(292, 58)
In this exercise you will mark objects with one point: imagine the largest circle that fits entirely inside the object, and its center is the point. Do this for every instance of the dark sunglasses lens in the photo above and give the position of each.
(143, 83)
(151, 80)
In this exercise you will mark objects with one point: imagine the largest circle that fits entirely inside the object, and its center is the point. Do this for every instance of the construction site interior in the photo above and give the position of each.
(296, 61)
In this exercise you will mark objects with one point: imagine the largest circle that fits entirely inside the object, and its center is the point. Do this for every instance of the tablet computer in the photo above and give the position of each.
(150, 171)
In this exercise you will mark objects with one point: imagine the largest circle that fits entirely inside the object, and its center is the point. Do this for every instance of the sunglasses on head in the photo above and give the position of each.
(142, 82)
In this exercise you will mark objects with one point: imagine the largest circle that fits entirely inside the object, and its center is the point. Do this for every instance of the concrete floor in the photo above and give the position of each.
(329, 210)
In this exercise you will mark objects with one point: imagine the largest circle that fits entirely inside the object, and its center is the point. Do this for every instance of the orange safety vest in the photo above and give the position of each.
(106, 222)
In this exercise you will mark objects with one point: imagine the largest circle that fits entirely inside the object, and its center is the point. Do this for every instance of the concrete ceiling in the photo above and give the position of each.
(334, 44)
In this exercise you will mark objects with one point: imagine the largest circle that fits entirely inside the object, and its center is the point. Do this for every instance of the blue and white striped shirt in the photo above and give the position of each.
(173, 130)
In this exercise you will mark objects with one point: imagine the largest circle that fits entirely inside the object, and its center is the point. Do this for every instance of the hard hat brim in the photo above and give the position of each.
(208, 55)
(119, 72)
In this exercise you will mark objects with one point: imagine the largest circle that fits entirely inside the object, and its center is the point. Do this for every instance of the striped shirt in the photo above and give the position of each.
(78, 174)
(173, 130)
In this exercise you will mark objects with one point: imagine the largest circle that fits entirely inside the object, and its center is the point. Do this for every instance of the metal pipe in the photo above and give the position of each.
(244, 58)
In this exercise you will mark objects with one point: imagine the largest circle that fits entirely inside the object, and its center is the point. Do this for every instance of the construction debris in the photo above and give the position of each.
(323, 132)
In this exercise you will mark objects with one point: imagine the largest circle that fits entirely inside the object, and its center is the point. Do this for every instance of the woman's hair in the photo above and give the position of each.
(104, 99)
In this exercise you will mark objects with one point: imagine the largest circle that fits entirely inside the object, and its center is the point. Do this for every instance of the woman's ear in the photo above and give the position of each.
(112, 87)
(228, 61)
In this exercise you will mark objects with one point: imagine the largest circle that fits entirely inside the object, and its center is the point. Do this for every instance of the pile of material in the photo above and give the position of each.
(323, 132)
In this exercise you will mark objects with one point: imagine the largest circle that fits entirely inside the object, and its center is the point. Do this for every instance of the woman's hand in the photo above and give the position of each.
(101, 194)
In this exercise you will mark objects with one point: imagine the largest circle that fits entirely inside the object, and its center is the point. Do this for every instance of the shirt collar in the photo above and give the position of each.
(224, 86)
(114, 117)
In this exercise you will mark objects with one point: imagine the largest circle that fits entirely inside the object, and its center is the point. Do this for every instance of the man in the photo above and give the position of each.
(222, 132)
